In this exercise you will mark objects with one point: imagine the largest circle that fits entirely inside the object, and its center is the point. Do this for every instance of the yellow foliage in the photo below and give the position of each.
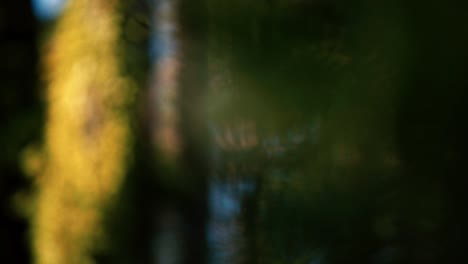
(87, 138)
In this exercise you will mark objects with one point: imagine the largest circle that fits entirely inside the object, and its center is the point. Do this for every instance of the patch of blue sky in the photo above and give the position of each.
(162, 47)
(46, 10)
(224, 203)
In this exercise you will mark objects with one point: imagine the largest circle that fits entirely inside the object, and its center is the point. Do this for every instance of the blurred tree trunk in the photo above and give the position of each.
(185, 154)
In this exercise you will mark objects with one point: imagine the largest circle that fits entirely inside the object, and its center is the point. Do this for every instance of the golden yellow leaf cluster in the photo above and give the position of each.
(87, 134)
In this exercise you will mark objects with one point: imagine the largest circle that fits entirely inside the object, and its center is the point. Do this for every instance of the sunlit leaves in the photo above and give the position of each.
(87, 133)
